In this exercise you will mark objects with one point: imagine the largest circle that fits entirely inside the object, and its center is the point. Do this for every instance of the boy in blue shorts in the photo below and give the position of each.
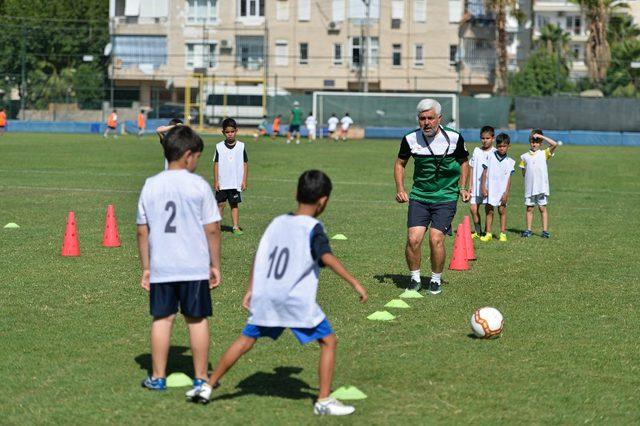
(179, 244)
(282, 290)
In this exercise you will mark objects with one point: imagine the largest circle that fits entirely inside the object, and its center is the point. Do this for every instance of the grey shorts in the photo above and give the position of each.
(437, 215)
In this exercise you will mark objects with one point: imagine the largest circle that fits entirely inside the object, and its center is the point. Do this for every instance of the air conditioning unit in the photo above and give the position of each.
(395, 24)
(224, 43)
(334, 26)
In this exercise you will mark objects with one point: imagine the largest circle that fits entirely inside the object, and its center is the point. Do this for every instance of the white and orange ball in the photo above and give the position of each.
(487, 323)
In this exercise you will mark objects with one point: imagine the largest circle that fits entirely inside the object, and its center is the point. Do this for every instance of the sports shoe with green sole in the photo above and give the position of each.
(487, 237)
(503, 237)
(237, 231)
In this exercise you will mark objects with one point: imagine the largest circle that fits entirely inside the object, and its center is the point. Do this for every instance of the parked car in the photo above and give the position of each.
(176, 110)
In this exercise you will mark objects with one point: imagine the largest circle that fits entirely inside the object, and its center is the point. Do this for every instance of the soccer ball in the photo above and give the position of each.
(487, 323)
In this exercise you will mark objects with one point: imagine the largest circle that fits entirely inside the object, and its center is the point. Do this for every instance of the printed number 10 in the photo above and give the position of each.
(280, 263)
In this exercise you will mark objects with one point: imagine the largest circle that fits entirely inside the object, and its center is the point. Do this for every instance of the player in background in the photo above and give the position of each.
(536, 179)
(282, 290)
(112, 124)
(294, 123)
(496, 184)
(478, 158)
(332, 126)
(230, 171)
(345, 123)
(262, 128)
(3, 121)
(310, 123)
(275, 127)
(142, 123)
(162, 131)
(179, 246)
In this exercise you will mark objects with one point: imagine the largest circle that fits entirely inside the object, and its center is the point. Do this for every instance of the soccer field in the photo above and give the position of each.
(74, 331)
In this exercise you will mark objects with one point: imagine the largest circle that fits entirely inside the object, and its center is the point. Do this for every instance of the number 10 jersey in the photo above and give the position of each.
(176, 204)
(285, 276)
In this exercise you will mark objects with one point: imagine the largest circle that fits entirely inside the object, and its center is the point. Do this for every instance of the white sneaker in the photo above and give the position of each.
(297, 142)
(332, 407)
(200, 394)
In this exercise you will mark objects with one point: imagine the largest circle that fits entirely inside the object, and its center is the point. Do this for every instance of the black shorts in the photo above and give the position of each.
(294, 128)
(112, 127)
(437, 215)
(232, 195)
(193, 297)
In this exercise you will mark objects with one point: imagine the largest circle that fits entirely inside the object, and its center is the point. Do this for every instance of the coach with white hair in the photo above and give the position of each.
(440, 175)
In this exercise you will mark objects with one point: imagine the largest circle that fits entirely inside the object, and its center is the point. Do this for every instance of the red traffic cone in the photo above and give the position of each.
(111, 237)
(70, 246)
(458, 258)
(469, 249)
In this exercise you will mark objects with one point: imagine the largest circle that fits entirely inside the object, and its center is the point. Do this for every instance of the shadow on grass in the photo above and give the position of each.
(515, 231)
(280, 384)
(472, 336)
(400, 281)
(178, 361)
(226, 228)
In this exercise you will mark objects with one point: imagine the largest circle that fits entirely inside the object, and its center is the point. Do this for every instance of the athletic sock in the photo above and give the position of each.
(478, 228)
(436, 277)
(415, 275)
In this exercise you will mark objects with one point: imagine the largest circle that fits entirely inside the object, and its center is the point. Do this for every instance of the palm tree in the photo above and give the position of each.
(554, 40)
(621, 28)
(598, 13)
(501, 8)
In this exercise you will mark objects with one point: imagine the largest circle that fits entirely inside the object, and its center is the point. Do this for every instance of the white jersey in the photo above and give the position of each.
(310, 122)
(176, 204)
(478, 158)
(346, 121)
(285, 276)
(230, 165)
(333, 123)
(536, 176)
(499, 170)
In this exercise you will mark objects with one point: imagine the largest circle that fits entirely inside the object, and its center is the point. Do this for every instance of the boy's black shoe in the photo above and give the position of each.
(414, 285)
(435, 288)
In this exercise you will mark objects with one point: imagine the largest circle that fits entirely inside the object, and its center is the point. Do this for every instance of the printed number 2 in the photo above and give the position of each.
(169, 228)
(280, 263)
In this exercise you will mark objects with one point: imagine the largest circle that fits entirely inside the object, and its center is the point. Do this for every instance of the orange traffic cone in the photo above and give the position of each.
(111, 237)
(469, 250)
(70, 246)
(458, 258)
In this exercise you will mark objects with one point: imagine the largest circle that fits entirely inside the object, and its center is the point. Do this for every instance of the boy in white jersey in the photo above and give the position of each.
(536, 179)
(282, 290)
(345, 123)
(332, 126)
(230, 170)
(310, 123)
(496, 184)
(479, 157)
(179, 244)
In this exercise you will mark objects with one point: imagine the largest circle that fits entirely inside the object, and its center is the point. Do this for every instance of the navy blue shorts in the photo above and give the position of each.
(294, 128)
(232, 195)
(304, 335)
(437, 215)
(193, 297)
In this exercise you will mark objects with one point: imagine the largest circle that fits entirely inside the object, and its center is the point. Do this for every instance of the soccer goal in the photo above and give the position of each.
(380, 109)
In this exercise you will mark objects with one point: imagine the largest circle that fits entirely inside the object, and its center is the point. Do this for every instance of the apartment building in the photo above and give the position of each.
(295, 45)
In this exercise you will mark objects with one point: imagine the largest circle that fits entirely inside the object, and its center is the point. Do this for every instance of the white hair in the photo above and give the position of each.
(426, 104)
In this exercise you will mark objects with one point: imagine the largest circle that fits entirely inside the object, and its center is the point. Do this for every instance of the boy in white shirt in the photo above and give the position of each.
(230, 170)
(332, 126)
(479, 157)
(496, 184)
(179, 244)
(345, 123)
(310, 123)
(282, 290)
(536, 179)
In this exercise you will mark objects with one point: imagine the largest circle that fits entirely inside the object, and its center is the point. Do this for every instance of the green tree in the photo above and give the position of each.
(88, 84)
(554, 40)
(543, 74)
(623, 80)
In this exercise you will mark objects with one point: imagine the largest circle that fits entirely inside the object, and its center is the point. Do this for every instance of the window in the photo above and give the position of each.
(249, 52)
(453, 54)
(455, 10)
(542, 20)
(138, 50)
(250, 8)
(282, 53)
(202, 11)
(420, 10)
(304, 10)
(303, 57)
(357, 9)
(337, 10)
(397, 9)
(201, 55)
(282, 10)
(418, 55)
(357, 48)
(396, 55)
(337, 54)
(479, 53)
(574, 25)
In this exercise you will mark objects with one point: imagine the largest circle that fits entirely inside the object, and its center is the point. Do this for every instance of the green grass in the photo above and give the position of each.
(74, 331)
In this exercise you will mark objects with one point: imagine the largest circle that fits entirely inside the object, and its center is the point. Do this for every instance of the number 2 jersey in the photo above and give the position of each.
(176, 204)
(285, 273)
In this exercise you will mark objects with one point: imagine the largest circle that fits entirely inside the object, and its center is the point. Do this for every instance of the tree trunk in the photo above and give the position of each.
(598, 51)
(501, 77)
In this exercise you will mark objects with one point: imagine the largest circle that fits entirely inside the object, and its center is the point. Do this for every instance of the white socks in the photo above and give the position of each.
(415, 275)
(436, 277)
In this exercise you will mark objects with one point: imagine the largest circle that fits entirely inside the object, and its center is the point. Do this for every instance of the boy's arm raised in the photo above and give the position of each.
(335, 265)
(143, 250)
(212, 231)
